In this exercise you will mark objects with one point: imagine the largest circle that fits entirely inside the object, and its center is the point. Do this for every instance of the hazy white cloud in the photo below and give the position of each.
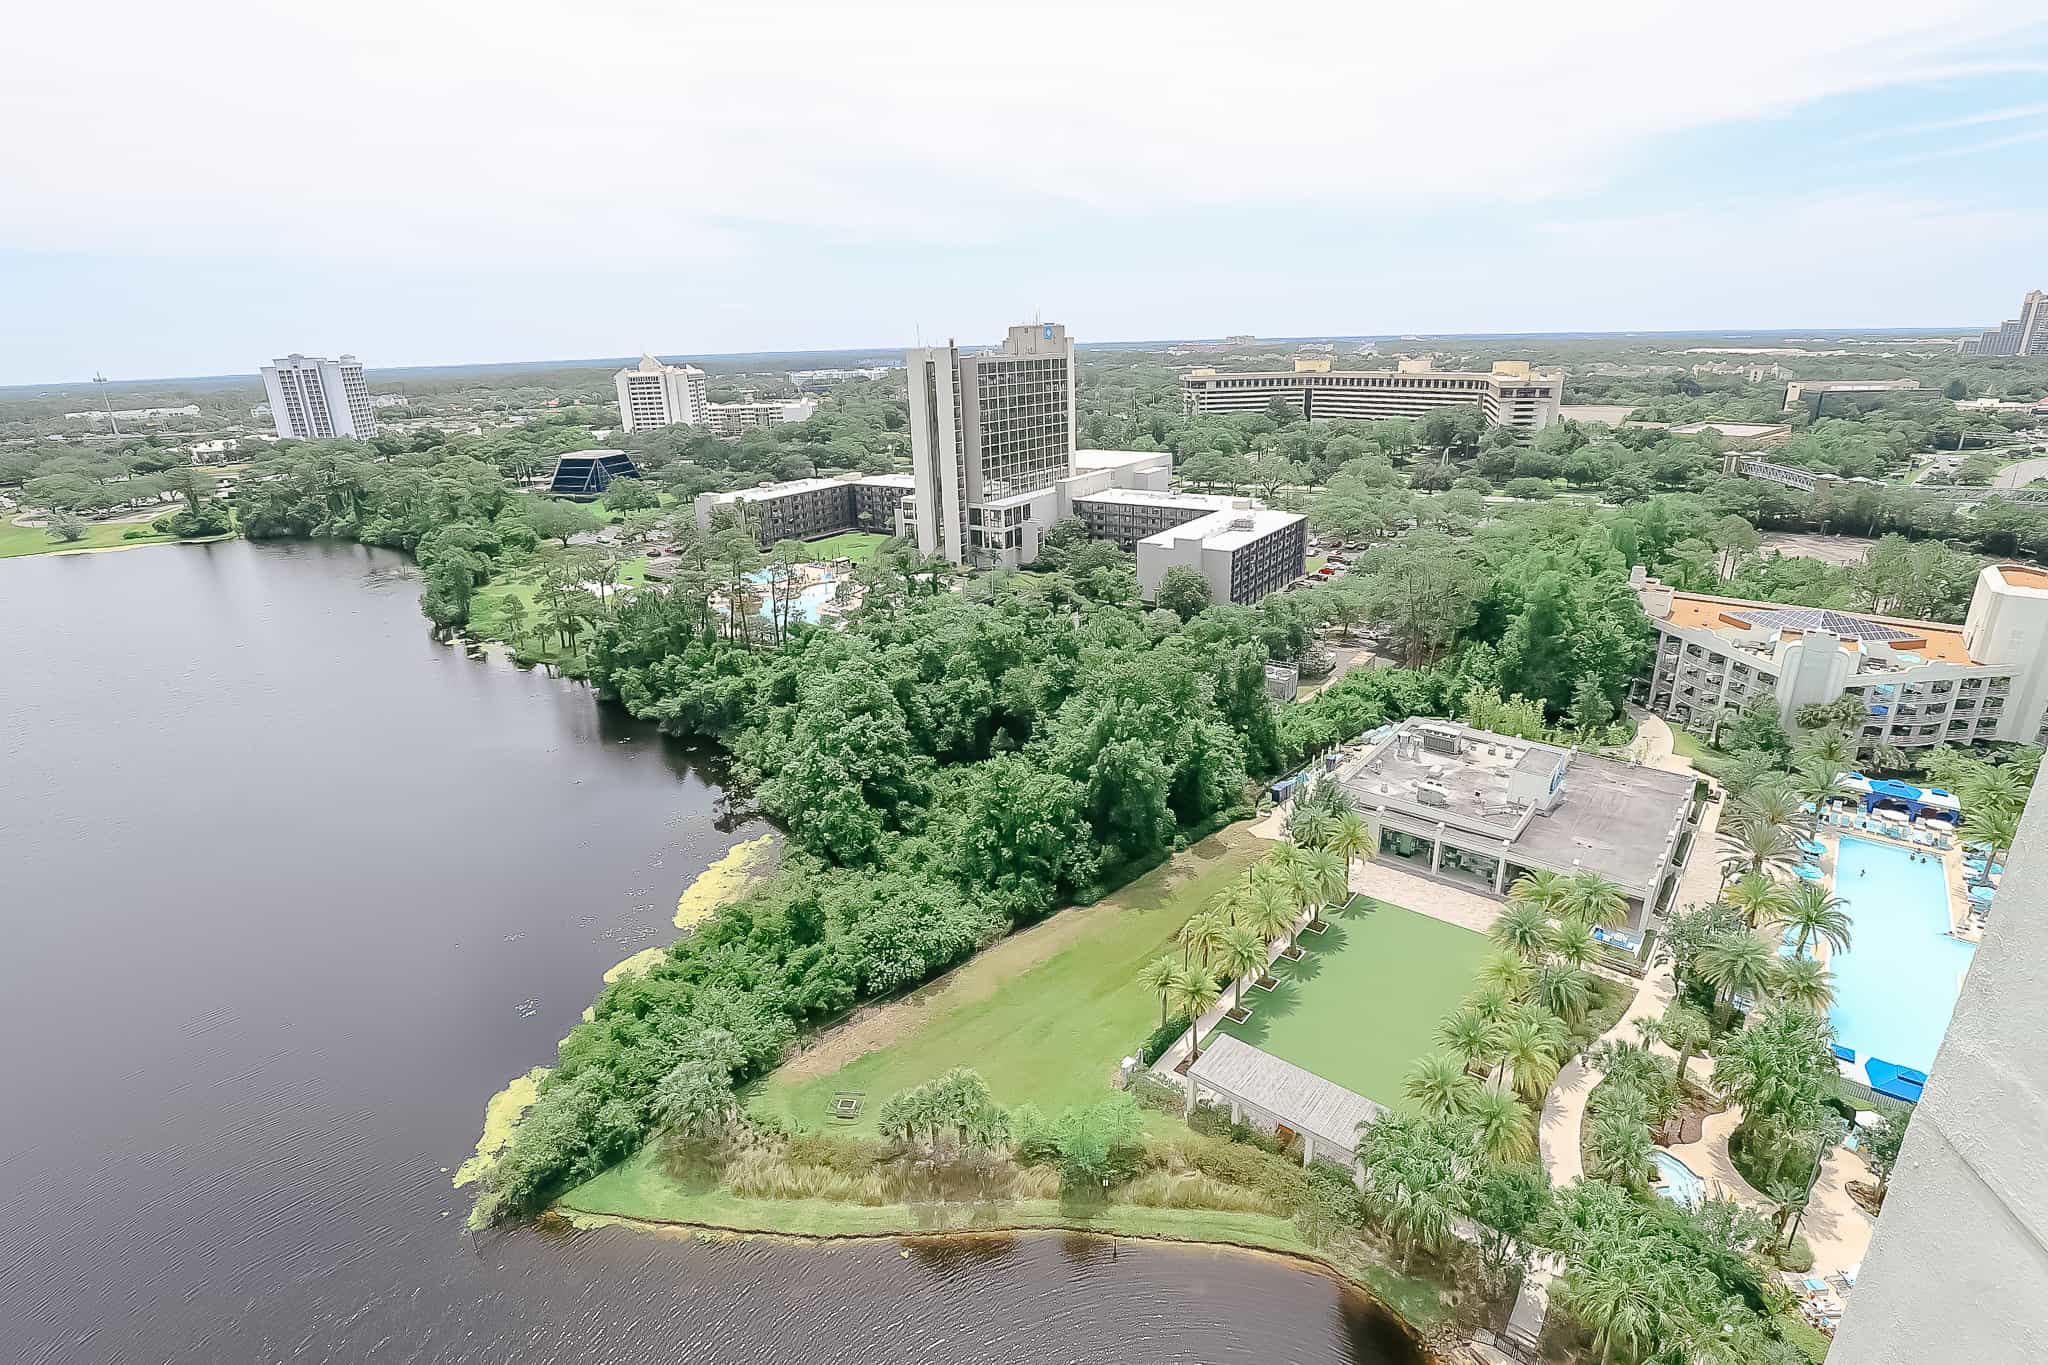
(527, 130)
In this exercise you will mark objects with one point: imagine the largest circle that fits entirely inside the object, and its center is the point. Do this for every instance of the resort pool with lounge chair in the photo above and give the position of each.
(1677, 1181)
(1897, 985)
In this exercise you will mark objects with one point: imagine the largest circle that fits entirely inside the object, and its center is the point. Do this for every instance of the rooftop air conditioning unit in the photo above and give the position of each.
(1432, 793)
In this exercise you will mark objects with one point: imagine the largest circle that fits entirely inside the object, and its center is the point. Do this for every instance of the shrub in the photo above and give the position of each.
(1194, 1190)
(1153, 1093)
(1797, 1257)
(1155, 1045)
(1283, 1182)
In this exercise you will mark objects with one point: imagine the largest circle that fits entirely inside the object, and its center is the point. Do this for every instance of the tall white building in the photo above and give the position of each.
(2026, 334)
(991, 435)
(652, 394)
(313, 398)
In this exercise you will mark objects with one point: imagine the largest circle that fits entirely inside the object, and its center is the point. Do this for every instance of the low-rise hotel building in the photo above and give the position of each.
(734, 419)
(807, 509)
(1922, 682)
(1245, 551)
(1511, 394)
(1479, 809)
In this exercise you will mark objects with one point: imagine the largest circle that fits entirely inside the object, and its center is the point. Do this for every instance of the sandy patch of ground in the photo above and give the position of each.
(723, 880)
(504, 1111)
(1842, 551)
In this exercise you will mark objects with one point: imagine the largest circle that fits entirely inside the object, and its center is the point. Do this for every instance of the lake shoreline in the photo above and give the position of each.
(1110, 1227)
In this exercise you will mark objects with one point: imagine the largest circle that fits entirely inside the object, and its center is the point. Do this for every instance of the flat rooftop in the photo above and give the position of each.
(1146, 497)
(1117, 459)
(780, 490)
(1229, 529)
(1608, 816)
(1733, 617)
(1613, 817)
(1736, 429)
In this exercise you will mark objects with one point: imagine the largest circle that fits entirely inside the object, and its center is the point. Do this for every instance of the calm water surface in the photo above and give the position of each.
(287, 891)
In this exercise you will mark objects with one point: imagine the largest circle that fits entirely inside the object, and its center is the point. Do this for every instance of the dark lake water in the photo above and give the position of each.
(287, 892)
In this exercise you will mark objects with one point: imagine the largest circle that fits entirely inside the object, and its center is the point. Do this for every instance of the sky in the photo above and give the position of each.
(195, 189)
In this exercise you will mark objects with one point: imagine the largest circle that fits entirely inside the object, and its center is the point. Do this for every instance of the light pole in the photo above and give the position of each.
(107, 399)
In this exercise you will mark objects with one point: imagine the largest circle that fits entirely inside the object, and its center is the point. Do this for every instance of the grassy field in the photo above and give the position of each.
(487, 608)
(1044, 1016)
(639, 1188)
(858, 546)
(1367, 998)
(1314, 562)
(99, 535)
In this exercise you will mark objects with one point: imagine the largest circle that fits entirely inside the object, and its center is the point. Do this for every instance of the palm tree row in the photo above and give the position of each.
(1231, 936)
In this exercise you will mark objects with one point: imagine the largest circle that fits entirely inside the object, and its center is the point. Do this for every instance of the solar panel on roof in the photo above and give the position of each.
(1821, 618)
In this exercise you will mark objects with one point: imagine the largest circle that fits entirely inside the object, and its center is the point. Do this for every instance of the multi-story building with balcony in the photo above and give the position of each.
(652, 394)
(1922, 683)
(806, 509)
(734, 419)
(1512, 394)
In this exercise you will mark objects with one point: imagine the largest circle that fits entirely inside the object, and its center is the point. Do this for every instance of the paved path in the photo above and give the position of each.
(1425, 895)
(2020, 473)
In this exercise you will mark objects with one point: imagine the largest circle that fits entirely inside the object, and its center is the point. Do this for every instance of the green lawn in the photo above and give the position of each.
(1044, 1016)
(858, 546)
(487, 608)
(99, 535)
(1687, 745)
(1314, 562)
(1366, 999)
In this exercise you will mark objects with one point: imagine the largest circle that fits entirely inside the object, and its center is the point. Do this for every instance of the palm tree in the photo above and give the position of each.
(1241, 953)
(1995, 787)
(1618, 1145)
(1311, 826)
(1612, 1297)
(1564, 990)
(1685, 1030)
(1199, 938)
(1491, 1002)
(1329, 880)
(1523, 929)
(1159, 976)
(1472, 1036)
(1803, 981)
(1539, 888)
(1591, 899)
(1776, 801)
(1737, 964)
(1351, 838)
(1289, 864)
(1440, 1086)
(1995, 825)
(1194, 995)
(1751, 846)
(1760, 899)
(1270, 912)
(1572, 942)
(1816, 914)
(1503, 1128)
(1505, 971)
(1529, 1049)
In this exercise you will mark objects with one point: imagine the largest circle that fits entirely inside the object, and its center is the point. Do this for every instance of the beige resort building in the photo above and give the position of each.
(1923, 682)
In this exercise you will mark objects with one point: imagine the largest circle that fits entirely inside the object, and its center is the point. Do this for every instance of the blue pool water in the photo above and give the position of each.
(804, 606)
(1897, 985)
(1678, 1182)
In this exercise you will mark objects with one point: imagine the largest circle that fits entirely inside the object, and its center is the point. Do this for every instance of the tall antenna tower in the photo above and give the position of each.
(108, 400)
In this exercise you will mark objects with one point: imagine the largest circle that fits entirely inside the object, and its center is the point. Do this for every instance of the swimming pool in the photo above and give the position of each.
(1678, 1182)
(802, 607)
(1897, 985)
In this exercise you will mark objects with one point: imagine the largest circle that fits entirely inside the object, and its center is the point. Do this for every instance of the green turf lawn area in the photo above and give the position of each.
(487, 608)
(858, 546)
(1314, 562)
(1365, 1000)
(99, 535)
(1044, 1016)
(1687, 745)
